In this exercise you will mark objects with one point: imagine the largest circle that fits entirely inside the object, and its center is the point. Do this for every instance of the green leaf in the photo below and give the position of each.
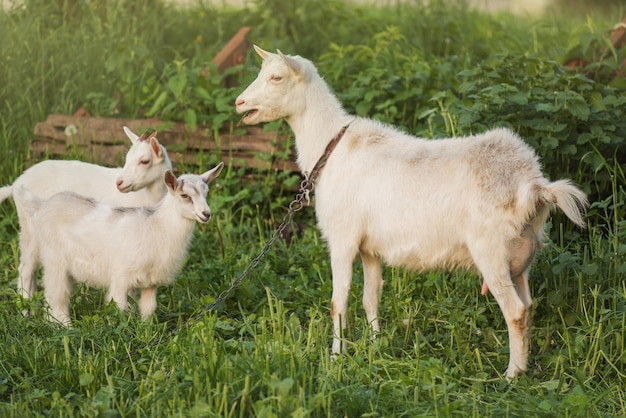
(550, 142)
(203, 94)
(85, 379)
(568, 149)
(547, 107)
(596, 101)
(578, 109)
(545, 405)
(426, 113)
(551, 384)
(191, 119)
(158, 103)
(590, 269)
(176, 85)
(518, 98)
(283, 386)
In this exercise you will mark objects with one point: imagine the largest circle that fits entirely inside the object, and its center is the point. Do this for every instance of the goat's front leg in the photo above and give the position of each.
(147, 302)
(341, 265)
(372, 286)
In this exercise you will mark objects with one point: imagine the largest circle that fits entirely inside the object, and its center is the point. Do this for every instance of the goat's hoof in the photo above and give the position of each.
(513, 373)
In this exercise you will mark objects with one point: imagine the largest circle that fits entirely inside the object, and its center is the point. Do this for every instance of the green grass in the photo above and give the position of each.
(432, 69)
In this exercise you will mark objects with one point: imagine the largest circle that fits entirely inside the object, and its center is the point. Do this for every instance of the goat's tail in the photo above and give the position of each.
(5, 193)
(569, 198)
(27, 199)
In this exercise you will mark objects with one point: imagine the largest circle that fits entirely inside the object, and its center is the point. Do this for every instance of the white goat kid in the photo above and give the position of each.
(146, 163)
(119, 248)
(480, 201)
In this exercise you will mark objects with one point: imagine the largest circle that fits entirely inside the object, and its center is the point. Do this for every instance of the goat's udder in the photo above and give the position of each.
(485, 289)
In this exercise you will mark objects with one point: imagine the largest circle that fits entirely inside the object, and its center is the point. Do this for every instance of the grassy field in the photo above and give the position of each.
(435, 70)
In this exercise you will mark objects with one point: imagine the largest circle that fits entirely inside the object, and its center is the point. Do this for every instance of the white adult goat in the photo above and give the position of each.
(119, 248)
(142, 174)
(480, 201)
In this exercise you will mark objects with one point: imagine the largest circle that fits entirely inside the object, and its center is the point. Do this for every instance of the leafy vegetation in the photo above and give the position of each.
(435, 69)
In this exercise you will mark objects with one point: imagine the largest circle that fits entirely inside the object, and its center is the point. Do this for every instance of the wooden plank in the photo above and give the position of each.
(87, 129)
(103, 141)
(234, 52)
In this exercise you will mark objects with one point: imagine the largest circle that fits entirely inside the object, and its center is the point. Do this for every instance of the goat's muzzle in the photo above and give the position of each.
(204, 216)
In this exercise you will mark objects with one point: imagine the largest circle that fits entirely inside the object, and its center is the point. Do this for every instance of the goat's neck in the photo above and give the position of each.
(157, 189)
(320, 121)
(169, 222)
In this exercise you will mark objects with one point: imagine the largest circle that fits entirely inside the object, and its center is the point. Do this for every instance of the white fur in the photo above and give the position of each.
(475, 202)
(146, 163)
(118, 248)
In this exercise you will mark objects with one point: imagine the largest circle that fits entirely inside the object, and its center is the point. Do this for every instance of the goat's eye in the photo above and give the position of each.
(185, 196)
(144, 162)
(275, 78)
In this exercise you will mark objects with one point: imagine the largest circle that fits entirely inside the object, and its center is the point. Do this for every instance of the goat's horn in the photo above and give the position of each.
(142, 137)
(152, 136)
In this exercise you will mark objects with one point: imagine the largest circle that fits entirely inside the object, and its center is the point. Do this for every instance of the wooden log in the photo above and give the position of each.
(234, 52)
(103, 141)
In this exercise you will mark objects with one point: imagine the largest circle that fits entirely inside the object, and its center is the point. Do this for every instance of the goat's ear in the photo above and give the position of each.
(170, 180)
(291, 63)
(156, 148)
(130, 134)
(263, 54)
(212, 174)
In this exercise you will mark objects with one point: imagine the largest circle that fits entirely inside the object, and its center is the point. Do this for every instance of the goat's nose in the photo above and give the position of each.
(239, 101)
(119, 182)
(207, 214)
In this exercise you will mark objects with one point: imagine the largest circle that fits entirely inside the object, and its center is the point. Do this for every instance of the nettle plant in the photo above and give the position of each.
(389, 80)
(191, 92)
(562, 114)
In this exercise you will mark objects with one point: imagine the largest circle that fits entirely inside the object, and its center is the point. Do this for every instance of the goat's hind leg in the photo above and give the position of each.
(29, 262)
(521, 254)
(119, 294)
(57, 289)
(493, 263)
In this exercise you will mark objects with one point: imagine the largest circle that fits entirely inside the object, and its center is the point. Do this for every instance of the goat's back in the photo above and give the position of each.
(49, 177)
(96, 242)
(398, 196)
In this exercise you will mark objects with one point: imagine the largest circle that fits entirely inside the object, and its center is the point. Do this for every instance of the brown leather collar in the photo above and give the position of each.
(311, 177)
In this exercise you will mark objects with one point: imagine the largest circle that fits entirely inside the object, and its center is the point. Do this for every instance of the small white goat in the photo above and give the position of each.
(142, 174)
(119, 248)
(480, 201)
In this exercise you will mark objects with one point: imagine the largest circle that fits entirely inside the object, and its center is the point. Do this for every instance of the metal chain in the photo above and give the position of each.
(302, 199)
